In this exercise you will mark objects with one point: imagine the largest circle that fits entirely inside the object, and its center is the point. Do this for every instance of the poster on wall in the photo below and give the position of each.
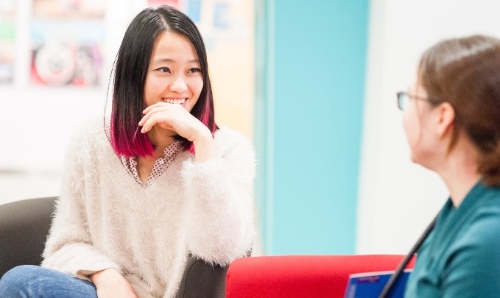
(7, 40)
(67, 38)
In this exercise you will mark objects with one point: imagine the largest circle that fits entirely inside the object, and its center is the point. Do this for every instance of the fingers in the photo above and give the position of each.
(158, 104)
(160, 113)
(171, 117)
(158, 107)
(160, 119)
(147, 122)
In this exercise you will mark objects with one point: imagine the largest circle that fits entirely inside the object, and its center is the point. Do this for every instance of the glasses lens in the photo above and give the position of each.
(403, 100)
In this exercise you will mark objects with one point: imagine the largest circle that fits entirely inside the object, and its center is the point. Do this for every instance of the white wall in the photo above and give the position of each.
(397, 198)
(37, 121)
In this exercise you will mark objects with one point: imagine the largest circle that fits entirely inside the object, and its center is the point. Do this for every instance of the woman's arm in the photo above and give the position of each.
(219, 212)
(218, 184)
(69, 245)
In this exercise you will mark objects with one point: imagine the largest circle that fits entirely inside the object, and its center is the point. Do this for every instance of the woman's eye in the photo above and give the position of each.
(194, 70)
(164, 69)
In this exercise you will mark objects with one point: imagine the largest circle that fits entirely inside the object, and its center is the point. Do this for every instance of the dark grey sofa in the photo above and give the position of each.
(24, 226)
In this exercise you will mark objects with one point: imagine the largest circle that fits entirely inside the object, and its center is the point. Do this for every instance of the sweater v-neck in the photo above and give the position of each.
(159, 167)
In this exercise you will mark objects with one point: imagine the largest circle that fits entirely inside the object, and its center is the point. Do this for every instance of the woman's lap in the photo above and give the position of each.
(30, 281)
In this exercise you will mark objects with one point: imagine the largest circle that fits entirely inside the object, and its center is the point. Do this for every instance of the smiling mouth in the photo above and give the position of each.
(177, 101)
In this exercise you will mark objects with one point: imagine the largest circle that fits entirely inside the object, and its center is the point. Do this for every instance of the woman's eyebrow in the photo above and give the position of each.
(173, 61)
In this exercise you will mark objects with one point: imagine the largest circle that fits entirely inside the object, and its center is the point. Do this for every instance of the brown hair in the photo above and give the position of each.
(465, 72)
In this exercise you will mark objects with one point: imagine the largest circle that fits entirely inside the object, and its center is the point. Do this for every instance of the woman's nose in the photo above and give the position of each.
(178, 85)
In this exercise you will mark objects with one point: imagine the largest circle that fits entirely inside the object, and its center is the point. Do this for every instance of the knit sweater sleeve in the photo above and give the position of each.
(69, 245)
(219, 211)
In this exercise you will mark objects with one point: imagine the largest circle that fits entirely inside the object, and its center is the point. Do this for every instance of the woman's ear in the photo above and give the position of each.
(445, 119)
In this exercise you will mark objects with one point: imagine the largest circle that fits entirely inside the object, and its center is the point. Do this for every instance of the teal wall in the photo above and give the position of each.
(311, 60)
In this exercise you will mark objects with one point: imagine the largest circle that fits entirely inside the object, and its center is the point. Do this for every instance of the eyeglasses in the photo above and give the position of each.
(404, 99)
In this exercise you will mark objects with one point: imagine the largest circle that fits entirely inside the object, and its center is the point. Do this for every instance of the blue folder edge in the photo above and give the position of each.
(370, 284)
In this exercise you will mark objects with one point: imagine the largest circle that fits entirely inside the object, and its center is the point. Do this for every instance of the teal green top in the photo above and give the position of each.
(461, 256)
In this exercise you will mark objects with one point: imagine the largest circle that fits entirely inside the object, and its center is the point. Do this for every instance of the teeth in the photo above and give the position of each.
(175, 101)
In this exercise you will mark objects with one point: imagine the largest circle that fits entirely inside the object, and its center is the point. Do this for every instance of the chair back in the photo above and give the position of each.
(24, 226)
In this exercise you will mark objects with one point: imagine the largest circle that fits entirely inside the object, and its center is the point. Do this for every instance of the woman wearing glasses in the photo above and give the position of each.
(451, 116)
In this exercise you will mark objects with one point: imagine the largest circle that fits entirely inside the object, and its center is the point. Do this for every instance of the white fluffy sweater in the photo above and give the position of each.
(105, 219)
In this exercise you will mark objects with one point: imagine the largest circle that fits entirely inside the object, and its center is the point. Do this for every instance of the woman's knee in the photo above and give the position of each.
(16, 280)
(35, 281)
(19, 274)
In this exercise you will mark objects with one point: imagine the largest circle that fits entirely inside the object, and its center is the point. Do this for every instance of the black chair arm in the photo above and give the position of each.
(202, 280)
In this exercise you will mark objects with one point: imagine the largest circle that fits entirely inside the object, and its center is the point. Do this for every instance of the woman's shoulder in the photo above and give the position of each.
(92, 127)
(227, 140)
(228, 137)
(484, 225)
(88, 134)
(227, 132)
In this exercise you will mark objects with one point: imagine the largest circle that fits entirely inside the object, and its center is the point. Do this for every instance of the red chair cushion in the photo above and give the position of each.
(301, 276)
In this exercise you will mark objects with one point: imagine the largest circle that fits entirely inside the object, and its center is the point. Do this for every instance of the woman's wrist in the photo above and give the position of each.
(98, 276)
(111, 283)
(204, 146)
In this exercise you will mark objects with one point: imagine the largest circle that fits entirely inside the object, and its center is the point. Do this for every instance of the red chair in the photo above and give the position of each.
(301, 276)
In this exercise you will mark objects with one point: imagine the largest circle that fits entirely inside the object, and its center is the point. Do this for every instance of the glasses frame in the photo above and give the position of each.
(401, 96)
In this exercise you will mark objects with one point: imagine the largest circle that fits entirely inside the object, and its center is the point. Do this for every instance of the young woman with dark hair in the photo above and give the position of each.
(130, 81)
(451, 116)
(152, 185)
